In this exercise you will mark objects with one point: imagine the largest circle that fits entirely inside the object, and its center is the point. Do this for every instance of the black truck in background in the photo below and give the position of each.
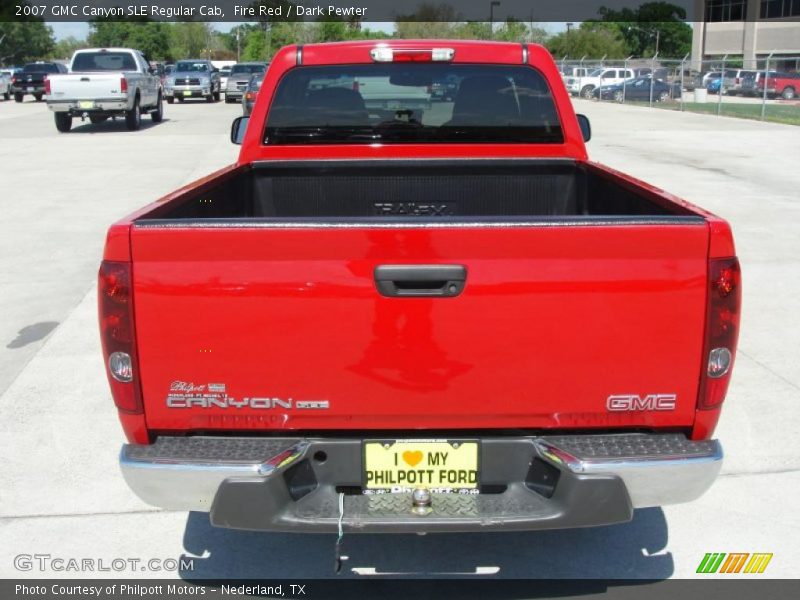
(30, 80)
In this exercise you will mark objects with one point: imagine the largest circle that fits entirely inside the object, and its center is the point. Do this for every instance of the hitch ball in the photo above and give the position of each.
(421, 501)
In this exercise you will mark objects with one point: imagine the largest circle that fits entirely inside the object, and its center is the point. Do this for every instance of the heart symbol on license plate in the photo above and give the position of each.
(412, 458)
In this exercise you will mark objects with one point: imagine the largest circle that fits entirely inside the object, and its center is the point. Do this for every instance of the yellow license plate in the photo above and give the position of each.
(187, 93)
(410, 464)
(86, 104)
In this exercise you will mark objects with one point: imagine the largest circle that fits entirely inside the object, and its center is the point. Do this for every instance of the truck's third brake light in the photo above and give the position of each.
(384, 54)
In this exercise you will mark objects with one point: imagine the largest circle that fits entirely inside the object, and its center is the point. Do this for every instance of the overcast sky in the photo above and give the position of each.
(81, 30)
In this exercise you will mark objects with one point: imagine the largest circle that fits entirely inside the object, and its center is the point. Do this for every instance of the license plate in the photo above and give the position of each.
(410, 464)
(187, 93)
(86, 104)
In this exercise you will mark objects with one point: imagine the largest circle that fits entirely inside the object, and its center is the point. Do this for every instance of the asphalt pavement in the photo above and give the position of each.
(61, 493)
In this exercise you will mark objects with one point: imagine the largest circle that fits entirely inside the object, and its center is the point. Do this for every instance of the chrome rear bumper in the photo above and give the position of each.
(280, 484)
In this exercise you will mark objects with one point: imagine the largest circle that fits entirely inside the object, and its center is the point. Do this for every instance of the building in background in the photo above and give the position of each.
(750, 29)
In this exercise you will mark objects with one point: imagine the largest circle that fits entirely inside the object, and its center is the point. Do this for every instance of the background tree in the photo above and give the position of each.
(191, 39)
(66, 47)
(590, 39)
(255, 47)
(512, 31)
(431, 21)
(637, 27)
(152, 38)
(24, 41)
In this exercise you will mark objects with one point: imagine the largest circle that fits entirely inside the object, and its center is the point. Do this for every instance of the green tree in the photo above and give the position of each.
(429, 21)
(473, 30)
(512, 31)
(66, 47)
(638, 28)
(593, 40)
(24, 41)
(151, 38)
(191, 39)
(255, 46)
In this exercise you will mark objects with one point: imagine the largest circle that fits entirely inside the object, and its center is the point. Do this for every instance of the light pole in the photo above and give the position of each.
(492, 4)
(569, 28)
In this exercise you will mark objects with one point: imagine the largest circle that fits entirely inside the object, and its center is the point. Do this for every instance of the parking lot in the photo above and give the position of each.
(60, 489)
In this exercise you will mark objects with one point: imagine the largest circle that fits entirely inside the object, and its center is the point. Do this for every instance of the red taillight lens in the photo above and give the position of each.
(13, 79)
(115, 306)
(46, 85)
(413, 56)
(250, 96)
(123, 85)
(722, 330)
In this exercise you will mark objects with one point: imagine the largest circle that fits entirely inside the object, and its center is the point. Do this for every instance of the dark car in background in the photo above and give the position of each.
(30, 80)
(251, 93)
(239, 79)
(638, 89)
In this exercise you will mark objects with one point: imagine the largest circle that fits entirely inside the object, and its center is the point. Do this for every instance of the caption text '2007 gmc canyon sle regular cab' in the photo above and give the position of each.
(439, 318)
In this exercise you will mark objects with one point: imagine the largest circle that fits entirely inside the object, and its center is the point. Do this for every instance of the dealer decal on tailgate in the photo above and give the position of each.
(397, 466)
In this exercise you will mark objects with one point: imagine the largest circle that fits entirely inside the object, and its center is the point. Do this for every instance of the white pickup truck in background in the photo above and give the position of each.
(103, 83)
(584, 85)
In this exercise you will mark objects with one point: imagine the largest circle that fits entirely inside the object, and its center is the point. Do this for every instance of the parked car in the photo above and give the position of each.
(576, 72)
(251, 93)
(734, 80)
(193, 78)
(785, 85)
(701, 80)
(752, 84)
(5, 86)
(104, 83)
(639, 89)
(31, 79)
(585, 86)
(238, 80)
(713, 86)
(401, 309)
(224, 73)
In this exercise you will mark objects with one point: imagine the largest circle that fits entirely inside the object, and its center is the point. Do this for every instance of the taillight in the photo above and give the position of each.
(13, 79)
(722, 330)
(46, 85)
(115, 305)
(123, 85)
(250, 96)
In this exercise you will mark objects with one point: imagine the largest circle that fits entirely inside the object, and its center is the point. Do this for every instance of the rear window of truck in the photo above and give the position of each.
(103, 61)
(419, 103)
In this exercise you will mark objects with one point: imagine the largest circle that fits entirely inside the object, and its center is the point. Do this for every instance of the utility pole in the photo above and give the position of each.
(492, 4)
(238, 43)
(569, 38)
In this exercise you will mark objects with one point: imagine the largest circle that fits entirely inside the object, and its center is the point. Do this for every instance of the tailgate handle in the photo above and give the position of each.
(85, 79)
(397, 281)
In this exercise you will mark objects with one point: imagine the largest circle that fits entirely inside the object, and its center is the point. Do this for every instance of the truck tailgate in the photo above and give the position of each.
(86, 86)
(269, 327)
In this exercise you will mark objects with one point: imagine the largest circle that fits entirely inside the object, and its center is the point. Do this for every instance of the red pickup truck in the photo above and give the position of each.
(409, 313)
(785, 85)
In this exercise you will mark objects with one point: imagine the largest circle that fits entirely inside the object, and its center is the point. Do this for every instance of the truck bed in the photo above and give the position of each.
(263, 287)
(423, 190)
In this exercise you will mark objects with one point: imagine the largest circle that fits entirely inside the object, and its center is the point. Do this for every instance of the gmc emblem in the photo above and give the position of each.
(633, 402)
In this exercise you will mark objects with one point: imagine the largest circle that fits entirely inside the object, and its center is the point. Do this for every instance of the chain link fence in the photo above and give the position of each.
(769, 92)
